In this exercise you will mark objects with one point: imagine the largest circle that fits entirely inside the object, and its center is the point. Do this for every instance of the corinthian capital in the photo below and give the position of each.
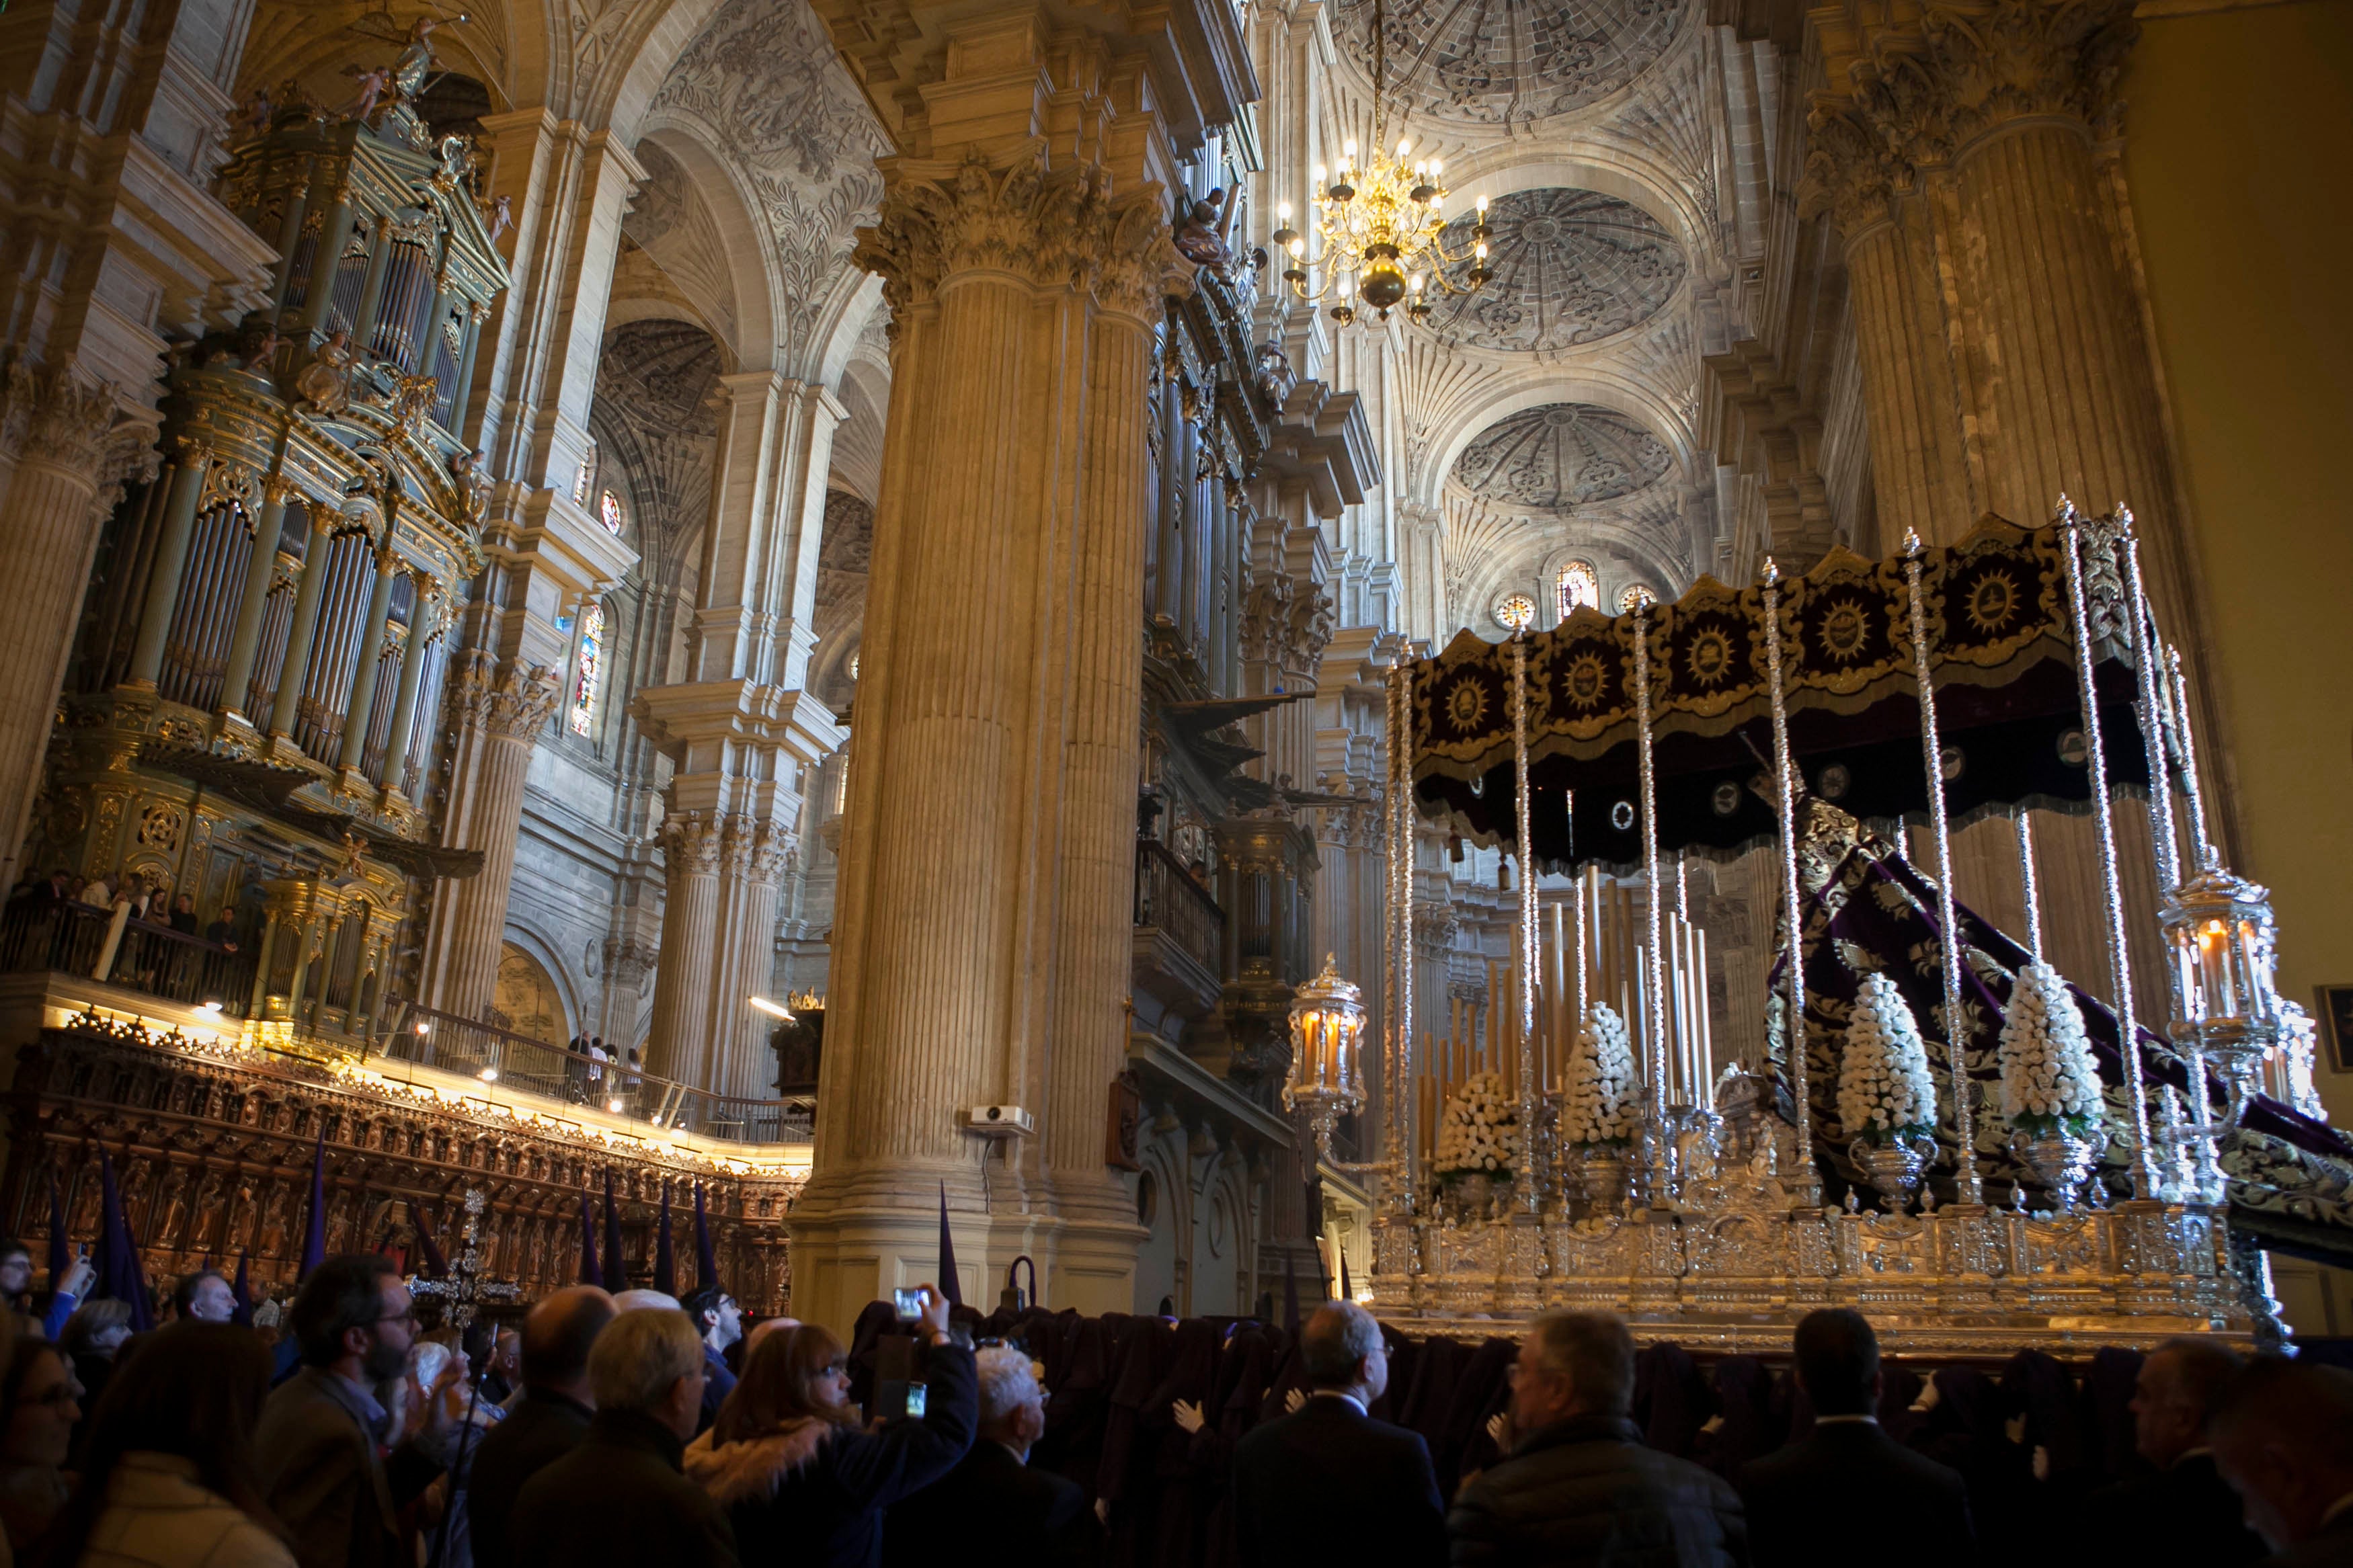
(511, 701)
(1017, 214)
(46, 412)
(1912, 85)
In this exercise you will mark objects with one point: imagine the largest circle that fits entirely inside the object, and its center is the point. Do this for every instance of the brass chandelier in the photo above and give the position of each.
(1380, 228)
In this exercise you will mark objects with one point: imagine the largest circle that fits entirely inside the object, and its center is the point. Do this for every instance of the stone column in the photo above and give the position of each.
(498, 712)
(1961, 147)
(545, 554)
(56, 430)
(691, 846)
(983, 919)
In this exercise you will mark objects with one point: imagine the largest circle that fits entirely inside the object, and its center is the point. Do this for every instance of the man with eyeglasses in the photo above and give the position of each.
(334, 1470)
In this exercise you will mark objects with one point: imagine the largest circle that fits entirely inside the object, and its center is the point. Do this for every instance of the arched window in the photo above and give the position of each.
(608, 511)
(1632, 595)
(591, 677)
(1578, 585)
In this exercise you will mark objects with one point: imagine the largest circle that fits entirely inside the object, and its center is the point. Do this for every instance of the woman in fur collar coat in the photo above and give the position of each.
(801, 1479)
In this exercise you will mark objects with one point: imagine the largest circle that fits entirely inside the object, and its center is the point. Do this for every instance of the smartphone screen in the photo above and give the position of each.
(915, 1400)
(909, 1304)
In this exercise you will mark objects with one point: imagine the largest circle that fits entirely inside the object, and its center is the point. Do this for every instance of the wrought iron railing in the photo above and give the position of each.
(507, 1063)
(1169, 900)
(73, 938)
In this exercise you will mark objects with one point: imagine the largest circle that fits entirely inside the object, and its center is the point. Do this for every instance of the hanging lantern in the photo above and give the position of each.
(2218, 929)
(1327, 1020)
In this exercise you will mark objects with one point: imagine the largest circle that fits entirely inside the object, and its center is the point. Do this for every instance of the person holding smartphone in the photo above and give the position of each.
(801, 1479)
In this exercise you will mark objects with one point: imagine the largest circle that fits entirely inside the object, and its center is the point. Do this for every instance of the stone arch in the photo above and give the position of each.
(540, 983)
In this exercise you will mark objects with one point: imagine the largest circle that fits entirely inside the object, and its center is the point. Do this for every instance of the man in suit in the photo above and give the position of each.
(622, 1495)
(1328, 1483)
(322, 1432)
(1848, 1489)
(2182, 1512)
(546, 1423)
(1579, 1487)
(2283, 1440)
(993, 1511)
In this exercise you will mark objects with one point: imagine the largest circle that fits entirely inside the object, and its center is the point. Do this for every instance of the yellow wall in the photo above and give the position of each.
(2239, 155)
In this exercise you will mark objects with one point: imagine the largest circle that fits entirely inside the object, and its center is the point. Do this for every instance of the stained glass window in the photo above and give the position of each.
(1514, 610)
(591, 679)
(609, 508)
(1632, 595)
(1579, 585)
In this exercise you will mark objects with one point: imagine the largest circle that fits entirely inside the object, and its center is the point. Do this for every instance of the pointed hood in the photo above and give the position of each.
(60, 1252)
(665, 1257)
(315, 1229)
(616, 1275)
(948, 1285)
(706, 1262)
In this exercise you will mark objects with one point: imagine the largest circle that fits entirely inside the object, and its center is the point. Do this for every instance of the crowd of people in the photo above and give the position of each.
(635, 1428)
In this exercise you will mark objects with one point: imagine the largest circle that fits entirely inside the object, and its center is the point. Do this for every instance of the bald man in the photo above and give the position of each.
(546, 1423)
(2180, 1513)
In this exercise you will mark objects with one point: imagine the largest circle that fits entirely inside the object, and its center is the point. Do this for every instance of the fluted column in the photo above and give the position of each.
(56, 430)
(1962, 147)
(982, 924)
(753, 853)
(1094, 868)
(498, 711)
(691, 850)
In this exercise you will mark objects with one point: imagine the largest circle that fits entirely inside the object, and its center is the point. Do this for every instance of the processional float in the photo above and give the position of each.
(2146, 1171)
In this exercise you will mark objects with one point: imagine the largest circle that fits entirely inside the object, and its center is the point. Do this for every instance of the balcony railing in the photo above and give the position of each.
(517, 1064)
(1169, 900)
(84, 939)
(37, 935)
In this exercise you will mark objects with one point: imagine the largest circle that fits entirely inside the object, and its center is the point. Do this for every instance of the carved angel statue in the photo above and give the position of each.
(416, 61)
(264, 350)
(473, 476)
(325, 384)
(413, 397)
(499, 216)
(1201, 236)
(253, 119)
(373, 81)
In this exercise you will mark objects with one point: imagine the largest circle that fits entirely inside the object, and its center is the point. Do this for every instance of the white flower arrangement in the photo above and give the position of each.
(1598, 1105)
(2048, 1083)
(1884, 1091)
(1479, 1135)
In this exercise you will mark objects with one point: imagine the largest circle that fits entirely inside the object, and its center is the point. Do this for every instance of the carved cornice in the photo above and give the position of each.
(1017, 214)
(1916, 92)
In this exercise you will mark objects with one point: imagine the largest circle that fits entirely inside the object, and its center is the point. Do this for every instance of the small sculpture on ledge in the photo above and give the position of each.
(412, 399)
(499, 216)
(256, 117)
(324, 384)
(473, 479)
(371, 83)
(1201, 236)
(416, 61)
